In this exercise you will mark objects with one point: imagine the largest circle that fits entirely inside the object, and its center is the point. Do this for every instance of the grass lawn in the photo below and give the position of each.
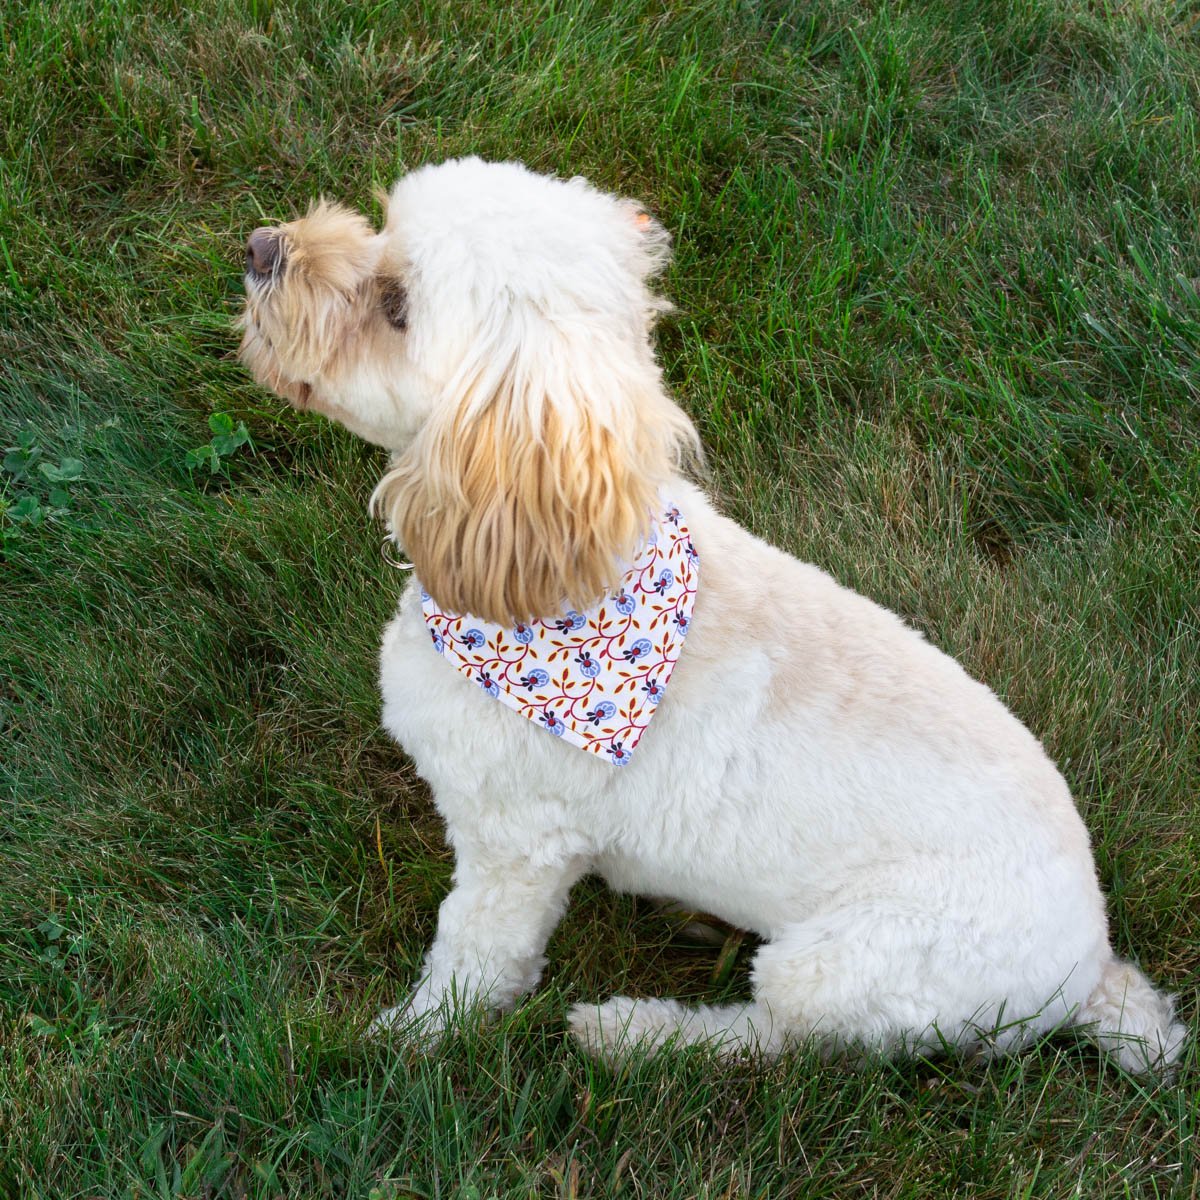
(938, 287)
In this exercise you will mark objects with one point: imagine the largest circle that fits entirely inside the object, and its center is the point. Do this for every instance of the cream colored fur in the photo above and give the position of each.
(817, 772)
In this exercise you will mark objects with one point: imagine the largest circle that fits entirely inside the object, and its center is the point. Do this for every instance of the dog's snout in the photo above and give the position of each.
(264, 252)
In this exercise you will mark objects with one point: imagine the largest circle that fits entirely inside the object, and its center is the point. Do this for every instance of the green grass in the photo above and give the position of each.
(938, 320)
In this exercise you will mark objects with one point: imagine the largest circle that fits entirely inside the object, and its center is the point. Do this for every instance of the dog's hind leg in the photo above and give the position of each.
(880, 976)
(620, 1024)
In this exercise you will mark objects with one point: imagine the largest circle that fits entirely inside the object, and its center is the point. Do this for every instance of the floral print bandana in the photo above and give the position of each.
(593, 679)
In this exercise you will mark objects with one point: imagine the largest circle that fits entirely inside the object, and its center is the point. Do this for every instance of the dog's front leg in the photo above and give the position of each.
(492, 932)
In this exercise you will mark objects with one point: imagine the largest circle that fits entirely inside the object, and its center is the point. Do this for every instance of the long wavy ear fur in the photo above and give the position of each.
(534, 484)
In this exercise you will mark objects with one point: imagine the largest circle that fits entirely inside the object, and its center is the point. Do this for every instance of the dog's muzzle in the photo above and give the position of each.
(264, 254)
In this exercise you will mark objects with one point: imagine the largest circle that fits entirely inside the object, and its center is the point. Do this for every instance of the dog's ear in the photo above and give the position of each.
(532, 486)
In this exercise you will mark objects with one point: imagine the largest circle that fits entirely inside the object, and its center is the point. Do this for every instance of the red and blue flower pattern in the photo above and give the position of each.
(594, 679)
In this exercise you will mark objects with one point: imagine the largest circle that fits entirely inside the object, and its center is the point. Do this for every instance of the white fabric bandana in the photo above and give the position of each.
(594, 679)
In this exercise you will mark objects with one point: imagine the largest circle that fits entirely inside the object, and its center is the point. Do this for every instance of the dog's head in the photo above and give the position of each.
(495, 335)
(323, 324)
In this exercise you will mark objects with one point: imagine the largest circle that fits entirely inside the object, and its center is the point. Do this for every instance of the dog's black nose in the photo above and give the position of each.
(263, 252)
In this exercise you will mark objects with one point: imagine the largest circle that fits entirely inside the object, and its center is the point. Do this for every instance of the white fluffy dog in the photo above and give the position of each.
(815, 772)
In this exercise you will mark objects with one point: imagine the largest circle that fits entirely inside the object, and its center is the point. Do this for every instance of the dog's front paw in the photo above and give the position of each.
(609, 1031)
(402, 1023)
(421, 1020)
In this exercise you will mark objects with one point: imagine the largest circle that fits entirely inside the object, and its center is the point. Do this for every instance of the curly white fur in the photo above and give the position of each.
(817, 772)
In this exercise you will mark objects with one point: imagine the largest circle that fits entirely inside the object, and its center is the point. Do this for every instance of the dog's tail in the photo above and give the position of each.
(1132, 1021)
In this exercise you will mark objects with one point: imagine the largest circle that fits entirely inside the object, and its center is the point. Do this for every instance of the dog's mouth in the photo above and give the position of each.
(266, 261)
(258, 354)
(297, 392)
